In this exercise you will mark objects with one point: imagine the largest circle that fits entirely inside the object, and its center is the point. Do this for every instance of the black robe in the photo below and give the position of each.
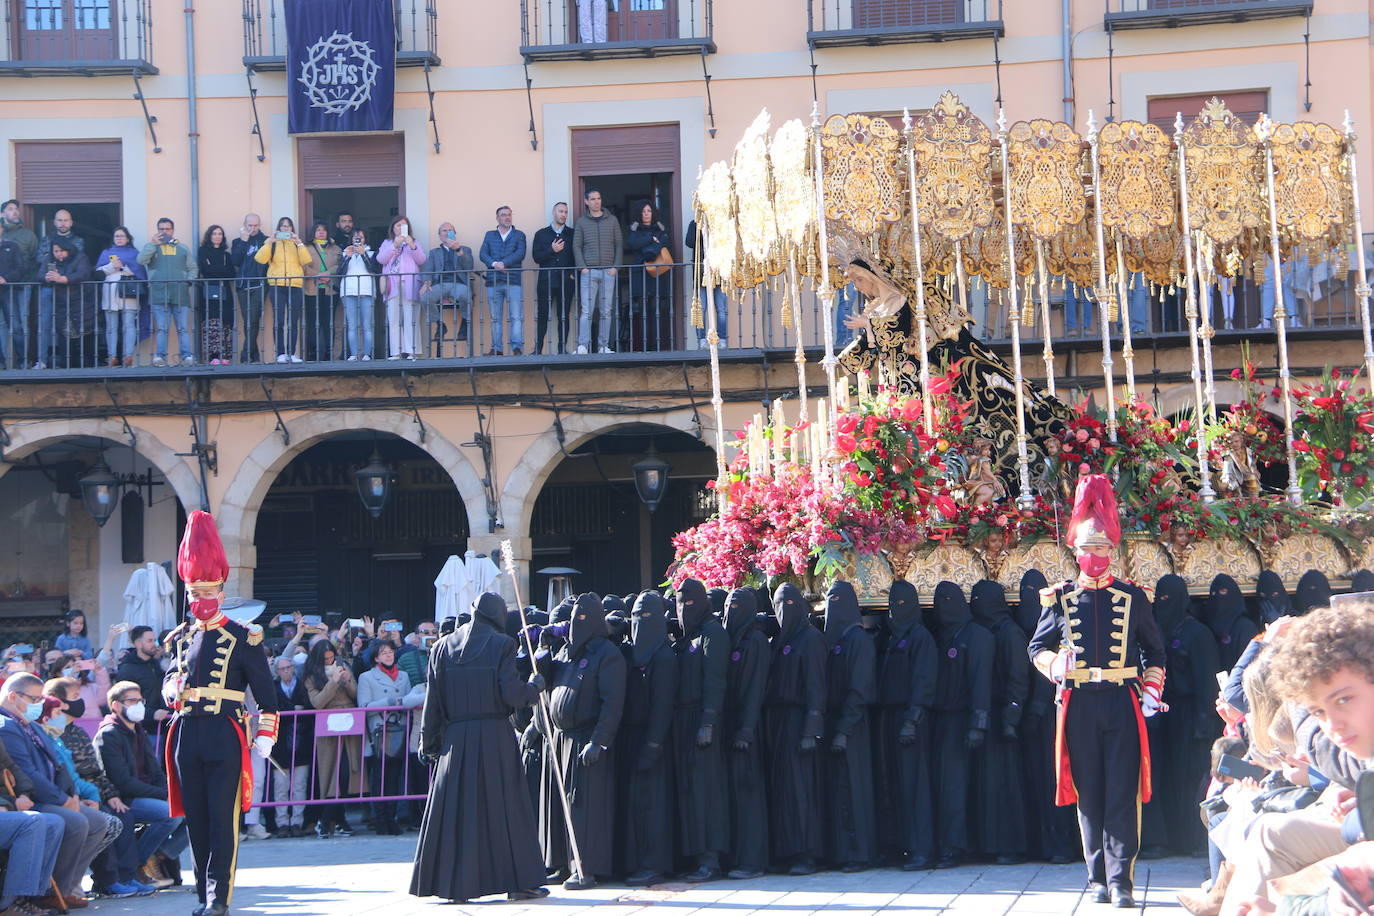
(478, 833)
(999, 803)
(745, 682)
(851, 688)
(963, 704)
(1225, 616)
(905, 691)
(643, 765)
(794, 710)
(703, 656)
(586, 687)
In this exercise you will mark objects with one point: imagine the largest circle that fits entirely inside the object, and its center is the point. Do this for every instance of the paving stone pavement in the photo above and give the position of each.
(368, 876)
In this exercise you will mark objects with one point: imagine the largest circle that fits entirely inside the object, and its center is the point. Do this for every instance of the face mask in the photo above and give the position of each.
(134, 712)
(299, 658)
(69, 672)
(59, 720)
(33, 710)
(205, 608)
(76, 708)
(1092, 565)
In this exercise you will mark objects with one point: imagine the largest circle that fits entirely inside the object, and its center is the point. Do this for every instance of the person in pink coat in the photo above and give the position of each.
(401, 258)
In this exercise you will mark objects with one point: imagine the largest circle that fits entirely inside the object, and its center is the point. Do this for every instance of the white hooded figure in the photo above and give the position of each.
(452, 592)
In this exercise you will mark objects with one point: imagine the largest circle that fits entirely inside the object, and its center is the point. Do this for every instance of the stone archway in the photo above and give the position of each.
(238, 508)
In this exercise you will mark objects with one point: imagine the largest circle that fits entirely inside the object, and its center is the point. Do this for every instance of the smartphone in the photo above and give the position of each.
(121, 627)
(391, 626)
(427, 641)
(354, 623)
(1222, 678)
(403, 229)
(85, 664)
(312, 620)
(1239, 769)
(1339, 879)
(23, 648)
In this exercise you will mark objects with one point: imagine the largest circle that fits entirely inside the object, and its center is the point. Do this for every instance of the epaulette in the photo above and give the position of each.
(1049, 595)
(254, 634)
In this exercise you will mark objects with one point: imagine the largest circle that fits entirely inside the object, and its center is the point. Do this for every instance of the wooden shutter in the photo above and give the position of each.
(76, 172)
(905, 14)
(1247, 106)
(376, 161)
(625, 150)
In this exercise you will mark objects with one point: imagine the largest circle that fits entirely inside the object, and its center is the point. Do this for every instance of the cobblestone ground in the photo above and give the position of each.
(368, 876)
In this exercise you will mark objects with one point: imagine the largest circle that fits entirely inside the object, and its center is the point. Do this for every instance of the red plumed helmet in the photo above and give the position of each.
(1095, 521)
(201, 562)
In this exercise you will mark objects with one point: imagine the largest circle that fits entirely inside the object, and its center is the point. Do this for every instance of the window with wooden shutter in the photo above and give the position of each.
(1247, 105)
(625, 150)
(896, 14)
(69, 172)
(375, 161)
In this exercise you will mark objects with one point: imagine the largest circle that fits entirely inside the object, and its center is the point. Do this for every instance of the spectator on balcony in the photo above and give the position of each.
(62, 231)
(385, 685)
(330, 685)
(449, 276)
(648, 241)
(14, 270)
(597, 250)
(12, 224)
(591, 21)
(251, 288)
(121, 296)
(171, 268)
(74, 306)
(343, 229)
(292, 752)
(503, 251)
(709, 297)
(358, 270)
(401, 258)
(557, 285)
(215, 260)
(1078, 312)
(320, 294)
(287, 259)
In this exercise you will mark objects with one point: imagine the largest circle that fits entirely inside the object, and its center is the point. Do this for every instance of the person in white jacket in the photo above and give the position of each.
(385, 685)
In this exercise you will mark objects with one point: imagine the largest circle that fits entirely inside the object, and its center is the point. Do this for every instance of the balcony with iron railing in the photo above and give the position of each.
(607, 29)
(1169, 14)
(77, 38)
(264, 34)
(846, 23)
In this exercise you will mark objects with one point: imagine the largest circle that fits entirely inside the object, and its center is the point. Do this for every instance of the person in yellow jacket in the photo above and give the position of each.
(286, 257)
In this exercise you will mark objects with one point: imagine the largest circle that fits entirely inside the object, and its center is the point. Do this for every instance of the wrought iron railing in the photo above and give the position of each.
(264, 33)
(835, 23)
(572, 30)
(83, 39)
(1156, 13)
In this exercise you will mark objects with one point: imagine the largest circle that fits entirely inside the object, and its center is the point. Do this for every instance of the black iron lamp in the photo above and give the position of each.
(374, 484)
(651, 477)
(100, 490)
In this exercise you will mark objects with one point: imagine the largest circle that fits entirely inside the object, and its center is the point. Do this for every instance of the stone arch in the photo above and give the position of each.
(238, 508)
(526, 480)
(27, 438)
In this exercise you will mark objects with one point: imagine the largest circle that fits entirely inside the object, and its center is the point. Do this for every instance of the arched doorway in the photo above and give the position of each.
(589, 517)
(320, 551)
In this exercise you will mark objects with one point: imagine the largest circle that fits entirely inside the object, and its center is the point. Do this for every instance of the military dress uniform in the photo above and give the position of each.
(1115, 657)
(210, 774)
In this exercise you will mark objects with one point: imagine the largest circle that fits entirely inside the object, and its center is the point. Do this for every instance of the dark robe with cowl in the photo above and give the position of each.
(745, 682)
(1271, 598)
(699, 763)
(999, 804)
(963, 706)
(1225, 616)
(586, 687)
(643, 765)
(478, 833)
(906, 671)
(793, 718)
(1313, 591)
(847, 761)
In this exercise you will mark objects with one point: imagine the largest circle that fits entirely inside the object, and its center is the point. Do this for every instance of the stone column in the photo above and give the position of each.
(490, 544)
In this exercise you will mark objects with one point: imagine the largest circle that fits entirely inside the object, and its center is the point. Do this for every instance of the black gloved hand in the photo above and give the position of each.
(1009, 732)
(906, 735)
(649, 756)
(591, 754)
(808, 744)
(537, 681)
(839, 744)
(705, 735)
(742, 741)
(974, 739)
(428, 760)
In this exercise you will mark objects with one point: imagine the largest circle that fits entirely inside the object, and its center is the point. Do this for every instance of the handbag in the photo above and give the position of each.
(660, 264)
(1285, 799)
(128, 289)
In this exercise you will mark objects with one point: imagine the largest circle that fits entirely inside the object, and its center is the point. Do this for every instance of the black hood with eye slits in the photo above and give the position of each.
(951, 610)
(1028, 606)
(1225, 605)
(741, 614)
(1273, 599)
(1171, 603)
(588, 622)
(648, 627)
(693, 607)
(903, 607)
(1313, 591)
(792, 611)
(842, 612)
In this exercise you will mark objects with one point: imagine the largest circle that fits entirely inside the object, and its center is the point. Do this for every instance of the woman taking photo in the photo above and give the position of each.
(216, 301)
(320, 300)
(330, 685)
(120, 298)
(286, 258)
(358, 271)
(401, 258)
(385, 685)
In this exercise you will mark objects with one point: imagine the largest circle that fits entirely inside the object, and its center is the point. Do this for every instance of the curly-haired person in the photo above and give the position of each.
(1324, 663)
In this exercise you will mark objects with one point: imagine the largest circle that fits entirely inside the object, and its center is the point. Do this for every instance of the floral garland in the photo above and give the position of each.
(1331, 430)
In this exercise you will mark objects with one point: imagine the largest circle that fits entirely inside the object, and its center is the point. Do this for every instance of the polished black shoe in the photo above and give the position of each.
(948, 860)
(744, 874)
(1100, 893)
(199, 911)
(1121, 899)
(534, 893)
(802, 867)
(1011, 860)
(850, 868)
(644, 878)
(216, 909)
(702, 874)
(579, 883)
(1061, 859)
(917, 863)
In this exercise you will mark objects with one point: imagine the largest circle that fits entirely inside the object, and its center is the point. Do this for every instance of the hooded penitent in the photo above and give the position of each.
(842, 612)
(588, 622)
(612, 604)
(989, 603)
(693, 607)
(903, 607)
(648, 627)
(201, 562)
(1028, 606)
(741, 606)
(717, 598)
(1361, 581)
(1272, 597)
(563, 612)
(1225, 605)
(951, 610)
(1313, 591)
(792, 611)
(1171, 603)
(489, 609)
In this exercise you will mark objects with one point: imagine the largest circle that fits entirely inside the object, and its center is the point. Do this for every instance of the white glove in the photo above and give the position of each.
(1150, 702)
(1062, 665)
(263, 745)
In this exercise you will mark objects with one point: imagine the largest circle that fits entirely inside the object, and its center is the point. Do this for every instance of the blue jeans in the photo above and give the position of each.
(501, 298)
(45, 323)
(32, 840)
(597, 289)
(164, 833)
(163, 315)
(288, 308)
(1078, 312)
(358, 332)
(10, 302)
(114, 320)
(722, 314)
(1138, 299)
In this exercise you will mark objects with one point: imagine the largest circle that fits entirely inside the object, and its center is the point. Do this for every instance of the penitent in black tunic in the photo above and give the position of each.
(478, 833)
(745, 682)
(848, 769)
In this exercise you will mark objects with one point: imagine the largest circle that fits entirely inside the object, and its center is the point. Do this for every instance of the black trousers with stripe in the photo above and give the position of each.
(1103, 740)
(209, 762)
